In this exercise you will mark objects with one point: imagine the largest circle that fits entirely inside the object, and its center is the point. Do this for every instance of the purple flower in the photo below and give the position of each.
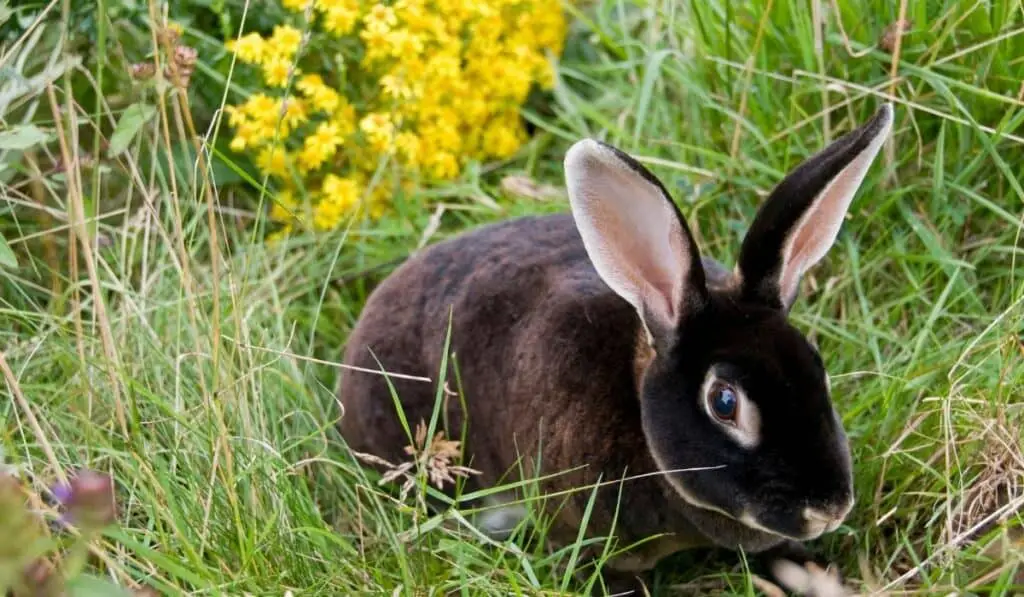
(88, 500)
(61, 492)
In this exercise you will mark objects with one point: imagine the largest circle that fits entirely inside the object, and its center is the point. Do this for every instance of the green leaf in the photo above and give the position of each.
(132, 120)
(22, 137)
(85, 585)
(92, 220)
(7, 256)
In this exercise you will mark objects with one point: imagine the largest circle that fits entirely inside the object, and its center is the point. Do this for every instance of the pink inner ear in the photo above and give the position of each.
(810, 238)
(644, 249)
(819, 227)
(631, 232)
(673, 289)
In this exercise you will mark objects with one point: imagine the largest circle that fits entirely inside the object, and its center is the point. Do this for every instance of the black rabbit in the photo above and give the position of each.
(602, 342)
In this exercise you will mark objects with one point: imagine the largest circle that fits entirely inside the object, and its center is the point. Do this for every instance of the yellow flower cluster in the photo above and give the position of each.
(429, 84)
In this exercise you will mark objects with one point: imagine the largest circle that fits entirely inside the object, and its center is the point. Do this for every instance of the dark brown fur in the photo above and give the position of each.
(557, 306)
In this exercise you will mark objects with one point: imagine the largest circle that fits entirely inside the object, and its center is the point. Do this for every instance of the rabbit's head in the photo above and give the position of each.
(734, 400)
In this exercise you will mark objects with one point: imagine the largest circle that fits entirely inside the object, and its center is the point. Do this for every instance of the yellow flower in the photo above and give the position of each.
(321, 97)
(395, 88)
(515, 80)
(545, 74)
(443, 133)
(440, 83)
(308, 84)
(381, 16)
(345, 118)
(463, 11)
(272, 160)
(267, 117)
(248, 48)
(309, 158)
(338, 196)
(379, 130)
(265, 130)
(502, 139)
(326, 5)
(276, 70)
(250, 134)
(402, 43)
(377, 45)
(442, 165)
(312, 156)
(549, 29)
(409, 148)
(285, 41)
(328, 136)
(258, 105)
(474, 111)
(340, 16)
(422, 21)
(236, 116)
(320, 147)
(444, 66)
(488, 29)
(294, 114)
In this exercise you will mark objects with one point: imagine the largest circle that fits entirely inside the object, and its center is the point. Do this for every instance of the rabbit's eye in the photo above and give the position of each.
(723, 403)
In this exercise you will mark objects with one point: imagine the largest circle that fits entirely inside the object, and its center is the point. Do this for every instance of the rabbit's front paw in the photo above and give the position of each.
(794, 568)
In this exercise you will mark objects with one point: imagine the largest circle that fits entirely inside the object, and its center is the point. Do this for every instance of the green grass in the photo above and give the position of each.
(207, 391)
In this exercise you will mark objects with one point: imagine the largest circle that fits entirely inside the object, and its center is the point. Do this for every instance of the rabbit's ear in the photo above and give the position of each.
(800, 220)
(635, 236)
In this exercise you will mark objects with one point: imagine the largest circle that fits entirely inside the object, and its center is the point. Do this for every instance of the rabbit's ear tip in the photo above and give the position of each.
(584, 152)
(587, 158)
(884, 116)
(586, 143)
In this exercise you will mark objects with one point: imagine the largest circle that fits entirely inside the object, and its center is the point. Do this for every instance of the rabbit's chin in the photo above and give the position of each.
(728, 532)
(722, 529)
(716, 524)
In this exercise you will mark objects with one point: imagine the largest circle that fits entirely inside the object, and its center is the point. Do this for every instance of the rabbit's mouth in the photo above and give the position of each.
(806, 524)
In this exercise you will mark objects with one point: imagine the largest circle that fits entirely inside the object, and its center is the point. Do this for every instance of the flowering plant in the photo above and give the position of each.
(427, 84)
(53, 563)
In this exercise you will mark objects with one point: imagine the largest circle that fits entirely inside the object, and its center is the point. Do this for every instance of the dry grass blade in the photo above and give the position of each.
(519, 185)
(77, 220)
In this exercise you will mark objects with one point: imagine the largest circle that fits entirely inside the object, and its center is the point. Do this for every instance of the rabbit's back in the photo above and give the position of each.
(538, 339)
